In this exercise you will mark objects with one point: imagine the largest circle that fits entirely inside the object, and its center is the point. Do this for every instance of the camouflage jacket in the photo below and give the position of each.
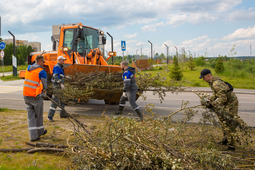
(221, 94)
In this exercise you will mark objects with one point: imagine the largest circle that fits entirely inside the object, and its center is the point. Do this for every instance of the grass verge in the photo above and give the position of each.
(191, 78)
(9, 78)
(196, 139)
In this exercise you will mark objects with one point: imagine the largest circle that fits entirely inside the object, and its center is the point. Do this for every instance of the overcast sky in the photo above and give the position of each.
(206, 27)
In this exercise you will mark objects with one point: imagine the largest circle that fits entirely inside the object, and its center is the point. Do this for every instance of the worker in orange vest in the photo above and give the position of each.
(35, 86)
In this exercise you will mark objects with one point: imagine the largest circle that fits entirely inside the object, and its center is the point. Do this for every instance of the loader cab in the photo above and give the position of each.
(83, 39)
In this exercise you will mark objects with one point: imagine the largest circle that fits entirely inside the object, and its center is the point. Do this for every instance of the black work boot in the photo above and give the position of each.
(63, 114)
(223, 142)
(120, 110)
(230, 148)
(139, 114)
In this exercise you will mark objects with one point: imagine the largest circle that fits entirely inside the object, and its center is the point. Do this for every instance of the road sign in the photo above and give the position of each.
(123, 45)
(2, 53)
(2, 45)
(14, 61)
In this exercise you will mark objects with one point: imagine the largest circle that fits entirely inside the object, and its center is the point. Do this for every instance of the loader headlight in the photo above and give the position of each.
(111, 53)
(101, 32)
(65, 49)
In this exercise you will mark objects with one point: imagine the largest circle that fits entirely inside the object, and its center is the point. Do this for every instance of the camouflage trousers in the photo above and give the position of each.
(229, 120)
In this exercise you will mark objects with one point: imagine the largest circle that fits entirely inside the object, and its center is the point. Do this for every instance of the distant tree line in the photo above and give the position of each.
(22, 51)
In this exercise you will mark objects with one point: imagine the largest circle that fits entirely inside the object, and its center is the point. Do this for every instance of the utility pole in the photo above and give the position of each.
(176, 51)
(111, 44)
(142, 53)
(0, 26)
(151, 50)
(136, 53)
(167, 53)
(250, 50)
(14, 60)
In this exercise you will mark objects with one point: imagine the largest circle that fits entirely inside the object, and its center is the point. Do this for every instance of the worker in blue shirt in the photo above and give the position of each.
(58, 78)
(129, 91)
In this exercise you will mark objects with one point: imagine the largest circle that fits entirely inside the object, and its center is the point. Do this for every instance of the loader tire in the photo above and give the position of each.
(110, 102)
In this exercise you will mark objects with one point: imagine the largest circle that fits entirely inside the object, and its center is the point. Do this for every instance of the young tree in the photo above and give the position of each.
(176, 72)
(219, 67)
(191, 64)
(232, 52)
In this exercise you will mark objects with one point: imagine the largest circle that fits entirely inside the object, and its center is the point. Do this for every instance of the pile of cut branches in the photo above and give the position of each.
(81, 86)
(124, 143)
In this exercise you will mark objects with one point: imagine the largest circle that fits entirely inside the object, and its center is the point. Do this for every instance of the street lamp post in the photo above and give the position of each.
(151, 48)
(189, 53)
(136, 53)
(141, 52)
(111, 44)
(14, 64)
(176, 53)
(184, 54)
(167, 53)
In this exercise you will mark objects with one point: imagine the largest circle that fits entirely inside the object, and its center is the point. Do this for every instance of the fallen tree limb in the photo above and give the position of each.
(49, 145)
(69, 115)
(45, 149)
(15, 150)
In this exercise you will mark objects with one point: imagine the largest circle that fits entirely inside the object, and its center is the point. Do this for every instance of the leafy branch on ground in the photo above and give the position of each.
(124, 143)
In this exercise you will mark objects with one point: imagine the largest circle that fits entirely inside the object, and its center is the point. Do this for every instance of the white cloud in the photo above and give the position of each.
(140, 44)
(31, 17)
(152, 27)
(241, 15)
(129, 36)
(27, 11)
(242, 33)
(194, 18)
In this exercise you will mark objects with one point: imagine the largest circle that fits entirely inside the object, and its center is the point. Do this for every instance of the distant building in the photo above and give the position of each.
(35, 45)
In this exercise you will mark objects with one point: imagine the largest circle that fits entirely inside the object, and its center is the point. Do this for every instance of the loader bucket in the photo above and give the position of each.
(109, 96)
(71, 69)
(22, 74)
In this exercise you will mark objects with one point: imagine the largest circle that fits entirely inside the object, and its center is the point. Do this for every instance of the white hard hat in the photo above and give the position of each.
(61, 57)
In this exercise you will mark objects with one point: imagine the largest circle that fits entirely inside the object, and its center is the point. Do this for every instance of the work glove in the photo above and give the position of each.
(44, 94)
(124, 94)
(209, 105)
(62, 86)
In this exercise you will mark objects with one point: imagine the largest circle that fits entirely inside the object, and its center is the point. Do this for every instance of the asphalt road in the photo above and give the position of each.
(11, 97)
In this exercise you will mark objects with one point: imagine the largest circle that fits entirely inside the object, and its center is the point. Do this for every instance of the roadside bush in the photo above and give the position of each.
(211, 63)
(239, 68)
(219, 67)
(200, 61)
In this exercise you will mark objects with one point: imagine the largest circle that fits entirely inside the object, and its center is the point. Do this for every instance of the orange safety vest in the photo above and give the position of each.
(32, 85)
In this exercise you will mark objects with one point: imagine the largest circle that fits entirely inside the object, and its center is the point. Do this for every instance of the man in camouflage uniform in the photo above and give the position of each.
(225, 104)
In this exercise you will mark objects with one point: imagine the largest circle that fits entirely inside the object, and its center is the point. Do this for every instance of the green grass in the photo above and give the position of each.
(191, 78)
(4, 109)
(10, 68)
(9, 78)
(14, 134)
